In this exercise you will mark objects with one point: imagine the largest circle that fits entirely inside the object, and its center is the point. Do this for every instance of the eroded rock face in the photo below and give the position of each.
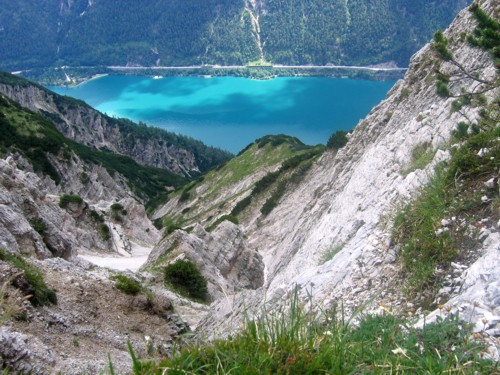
(223, 257)
(348, 198)
(27, 199)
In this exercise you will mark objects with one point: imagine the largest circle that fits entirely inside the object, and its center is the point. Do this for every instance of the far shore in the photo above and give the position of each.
(87, 80)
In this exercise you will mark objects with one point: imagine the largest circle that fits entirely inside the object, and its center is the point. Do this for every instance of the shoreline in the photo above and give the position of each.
(227, 67)
(87, 80)
(77, 76)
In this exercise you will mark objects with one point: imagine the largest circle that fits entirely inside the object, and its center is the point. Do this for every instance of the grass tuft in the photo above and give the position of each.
(41, 294)
(126, 284)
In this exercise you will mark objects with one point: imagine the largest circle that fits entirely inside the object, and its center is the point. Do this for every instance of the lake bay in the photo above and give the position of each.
(231, 112)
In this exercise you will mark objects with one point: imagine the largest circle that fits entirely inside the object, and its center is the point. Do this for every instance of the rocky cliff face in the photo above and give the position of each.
(223, 257)
(77, 121)
(345, 205)
(27, 199)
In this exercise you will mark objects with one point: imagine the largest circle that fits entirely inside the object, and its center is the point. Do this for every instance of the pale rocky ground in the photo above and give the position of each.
(91, 320)
(347, 201)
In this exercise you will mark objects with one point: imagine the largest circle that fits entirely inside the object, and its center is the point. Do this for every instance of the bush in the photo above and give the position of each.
(185, 277)
(184, 196)
(105, 232)
(241, 205)
(337, 140)
(95, 216)
(126, 284)
(66, 199)
(117, 207)
(39, 225)
(442, 89)
(42, 295)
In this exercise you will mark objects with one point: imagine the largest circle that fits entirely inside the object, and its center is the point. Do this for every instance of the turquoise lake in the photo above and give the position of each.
(231, 112)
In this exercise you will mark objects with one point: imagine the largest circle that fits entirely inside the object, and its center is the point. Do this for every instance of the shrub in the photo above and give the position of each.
(42, 295)
(185, 277)
(241, 205)
(66, 199)
(274, 199)
(39, 225)
(185, 196)
(337, 140)
(126, 284)
(117, 207)
(462, 130)
(442, 89)
(95, 216)
(158, 223)
(105, 232)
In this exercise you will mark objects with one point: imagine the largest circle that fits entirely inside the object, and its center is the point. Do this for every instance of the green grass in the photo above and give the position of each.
(262, 154)
(453, 192)
(126, 284)
(41, 294)
(293, 342)
(421, 155)
(330, 253)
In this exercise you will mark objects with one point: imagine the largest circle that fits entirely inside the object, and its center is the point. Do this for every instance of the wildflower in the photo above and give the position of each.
(291, 360)
(401, 351)
(385, 308)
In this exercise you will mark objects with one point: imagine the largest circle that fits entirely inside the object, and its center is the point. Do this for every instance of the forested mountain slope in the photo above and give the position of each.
(146, 145)
(176, 32)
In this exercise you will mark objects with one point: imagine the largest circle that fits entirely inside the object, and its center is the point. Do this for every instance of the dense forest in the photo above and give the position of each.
(47, 33)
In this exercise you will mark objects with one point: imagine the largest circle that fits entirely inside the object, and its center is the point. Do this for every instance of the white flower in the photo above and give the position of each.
(401, 351)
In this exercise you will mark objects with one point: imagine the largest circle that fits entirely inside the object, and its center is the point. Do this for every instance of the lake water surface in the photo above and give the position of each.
(231, 112)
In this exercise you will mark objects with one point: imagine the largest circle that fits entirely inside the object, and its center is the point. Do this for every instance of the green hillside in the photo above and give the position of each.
(175, 32)
(255, 179)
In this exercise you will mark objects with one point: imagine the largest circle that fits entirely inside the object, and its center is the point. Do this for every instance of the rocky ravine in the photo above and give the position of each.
(348, 198)
(25, 196)
(92, 317)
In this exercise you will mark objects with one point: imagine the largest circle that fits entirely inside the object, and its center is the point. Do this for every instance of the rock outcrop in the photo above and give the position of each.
(32, 221)
(222, 256)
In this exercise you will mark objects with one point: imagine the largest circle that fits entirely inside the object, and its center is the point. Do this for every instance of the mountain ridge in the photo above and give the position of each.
(357, 32)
